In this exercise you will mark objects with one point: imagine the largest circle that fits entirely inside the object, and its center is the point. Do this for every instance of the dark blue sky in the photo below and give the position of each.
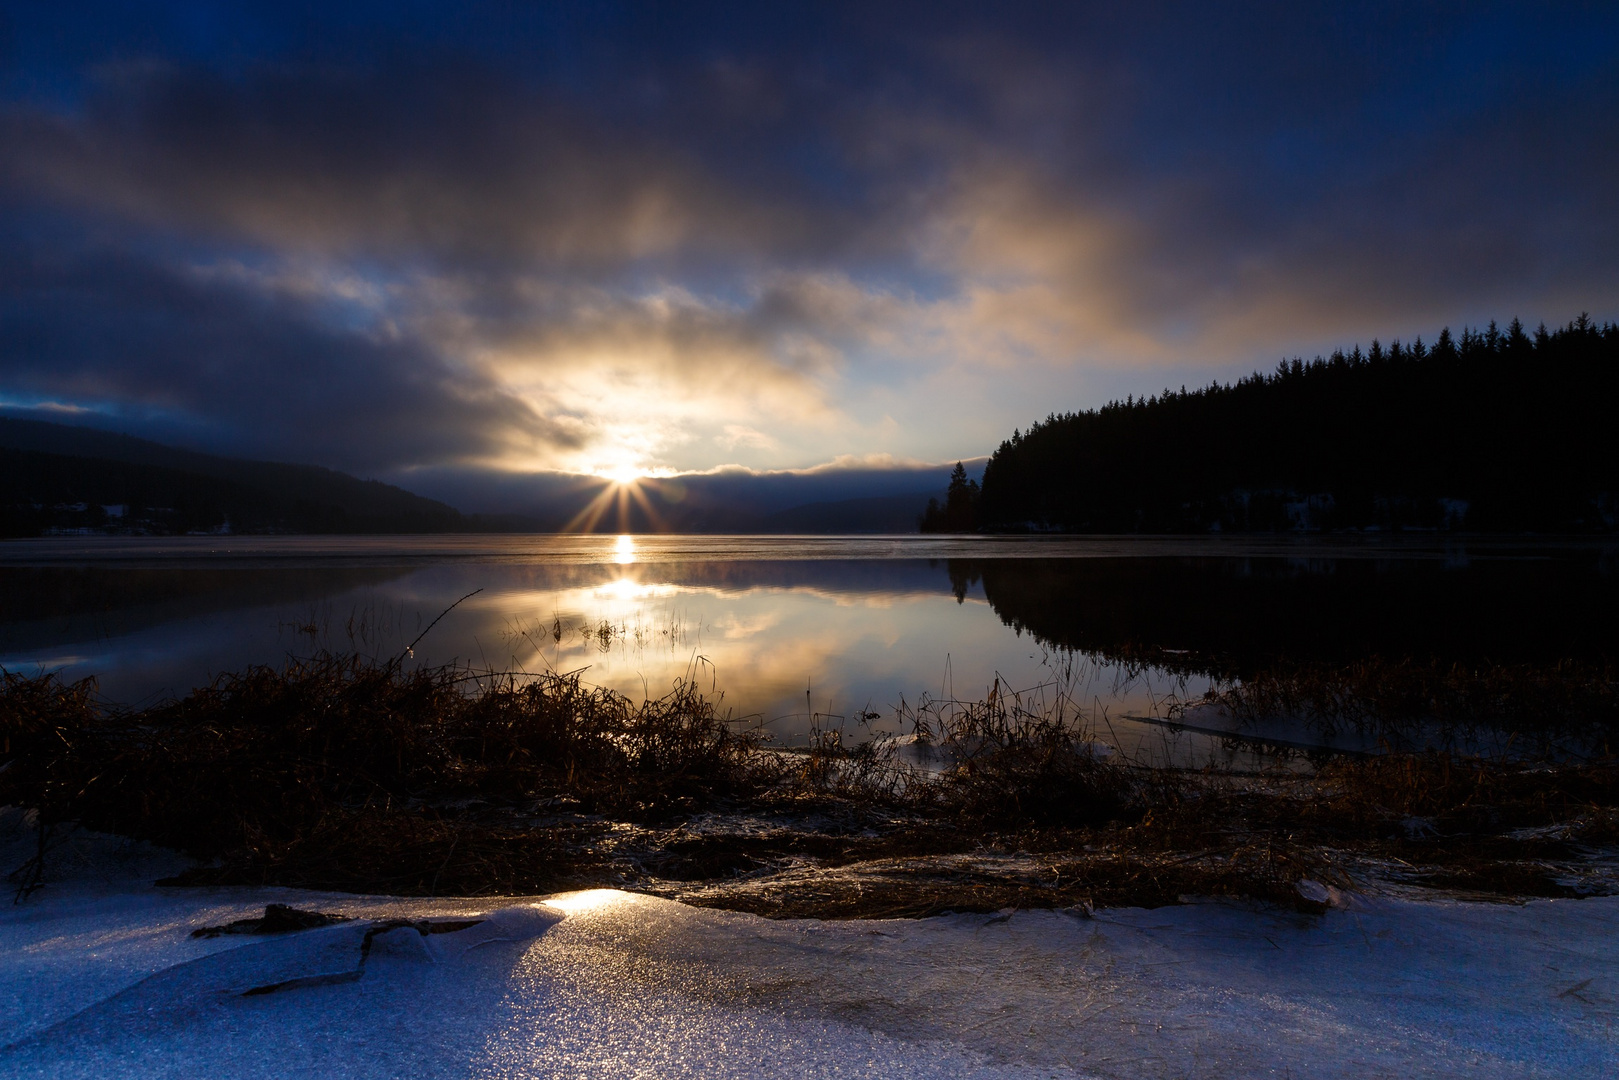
(419, 240)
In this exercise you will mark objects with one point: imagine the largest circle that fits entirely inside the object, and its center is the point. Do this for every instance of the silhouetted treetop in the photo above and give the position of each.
(960, 510)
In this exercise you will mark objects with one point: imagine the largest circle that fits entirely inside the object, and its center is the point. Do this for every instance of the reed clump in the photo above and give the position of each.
(1010, 760)
(1025, 764)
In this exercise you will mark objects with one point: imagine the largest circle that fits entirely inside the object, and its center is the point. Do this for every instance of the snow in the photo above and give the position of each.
(99, 976)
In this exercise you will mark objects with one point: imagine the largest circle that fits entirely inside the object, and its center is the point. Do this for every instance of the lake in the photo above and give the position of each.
(806, 632)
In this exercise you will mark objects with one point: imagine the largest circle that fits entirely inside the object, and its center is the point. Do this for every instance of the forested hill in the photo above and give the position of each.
(1500, 430)
(57, 477)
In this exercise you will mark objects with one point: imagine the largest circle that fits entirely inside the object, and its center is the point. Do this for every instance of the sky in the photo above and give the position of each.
(459, 243)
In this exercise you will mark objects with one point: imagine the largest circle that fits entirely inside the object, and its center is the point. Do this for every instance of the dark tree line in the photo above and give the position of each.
(1495, 430)
(42, 493)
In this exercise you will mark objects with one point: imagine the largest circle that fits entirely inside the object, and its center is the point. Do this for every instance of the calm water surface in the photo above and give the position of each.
(800, 631)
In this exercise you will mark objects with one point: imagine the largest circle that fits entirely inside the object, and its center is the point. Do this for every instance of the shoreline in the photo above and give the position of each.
(339, 773)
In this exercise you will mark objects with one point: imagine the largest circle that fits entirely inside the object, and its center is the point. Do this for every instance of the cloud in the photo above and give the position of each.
(444, 158)
(735, 435)
(513, 241)
(240, 369)
(557, 260)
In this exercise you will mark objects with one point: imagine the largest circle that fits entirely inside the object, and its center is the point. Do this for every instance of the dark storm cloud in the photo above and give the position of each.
(239, 367)
(272, 220)
(441, 158)
(1207, 136)
(1303, 170)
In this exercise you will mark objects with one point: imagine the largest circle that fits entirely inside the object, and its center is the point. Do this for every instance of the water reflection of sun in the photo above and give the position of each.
(625, 590)
(624, 550)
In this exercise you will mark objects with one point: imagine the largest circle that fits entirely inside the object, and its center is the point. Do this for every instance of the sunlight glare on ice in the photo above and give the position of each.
(589, 900)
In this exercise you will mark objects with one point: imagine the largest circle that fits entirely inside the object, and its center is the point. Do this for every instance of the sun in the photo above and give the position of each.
(623, 498)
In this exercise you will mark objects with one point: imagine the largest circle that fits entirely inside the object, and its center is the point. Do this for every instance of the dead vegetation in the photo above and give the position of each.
(1545, 705)
(344, 774)
(339, 773)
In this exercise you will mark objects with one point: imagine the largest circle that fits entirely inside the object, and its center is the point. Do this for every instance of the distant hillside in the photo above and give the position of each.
(55, 477)
(1497, 431)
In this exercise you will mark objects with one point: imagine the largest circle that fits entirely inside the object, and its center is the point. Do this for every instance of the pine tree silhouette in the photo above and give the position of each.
(1496, 430)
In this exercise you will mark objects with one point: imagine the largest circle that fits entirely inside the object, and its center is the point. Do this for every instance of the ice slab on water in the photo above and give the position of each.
(102, 982)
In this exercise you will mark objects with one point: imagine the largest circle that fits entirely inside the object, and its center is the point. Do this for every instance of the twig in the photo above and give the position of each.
(410, 650)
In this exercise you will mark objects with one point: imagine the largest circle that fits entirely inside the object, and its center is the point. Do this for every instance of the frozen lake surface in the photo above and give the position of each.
(101, 978)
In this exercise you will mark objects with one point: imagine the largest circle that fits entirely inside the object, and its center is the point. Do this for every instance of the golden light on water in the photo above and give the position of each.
(624, 550)
(623, 590)
(627, 591)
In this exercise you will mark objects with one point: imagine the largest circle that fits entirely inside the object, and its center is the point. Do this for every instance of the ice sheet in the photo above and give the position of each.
(105, 981)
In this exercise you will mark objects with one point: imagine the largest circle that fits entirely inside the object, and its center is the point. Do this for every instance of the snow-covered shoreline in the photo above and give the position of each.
(102, 978)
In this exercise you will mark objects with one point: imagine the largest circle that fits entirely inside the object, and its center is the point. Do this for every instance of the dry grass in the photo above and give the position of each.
(340, 773)
(343, 774)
